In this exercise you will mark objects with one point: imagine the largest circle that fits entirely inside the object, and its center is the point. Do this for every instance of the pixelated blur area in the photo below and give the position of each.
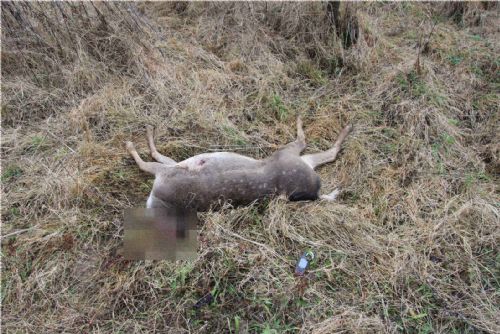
(160, 234)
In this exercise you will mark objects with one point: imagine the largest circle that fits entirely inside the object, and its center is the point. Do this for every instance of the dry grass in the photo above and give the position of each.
(411, 245)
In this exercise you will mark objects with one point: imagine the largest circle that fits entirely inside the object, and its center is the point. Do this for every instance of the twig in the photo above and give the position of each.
(16, 233)
(253, 242)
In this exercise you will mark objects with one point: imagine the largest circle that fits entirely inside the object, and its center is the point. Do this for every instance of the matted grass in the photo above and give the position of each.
(411, 245)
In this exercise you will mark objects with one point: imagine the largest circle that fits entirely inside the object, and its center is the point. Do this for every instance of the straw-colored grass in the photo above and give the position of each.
(411, 245)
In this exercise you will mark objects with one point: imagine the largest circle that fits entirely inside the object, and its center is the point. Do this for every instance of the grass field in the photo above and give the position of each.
(411, 245)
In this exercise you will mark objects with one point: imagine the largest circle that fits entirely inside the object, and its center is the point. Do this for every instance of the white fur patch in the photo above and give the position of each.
(200, 161)
(308, 160)
(149, 203)
(331, 196)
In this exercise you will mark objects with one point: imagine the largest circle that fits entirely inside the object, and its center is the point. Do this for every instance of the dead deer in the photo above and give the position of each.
(208, 178)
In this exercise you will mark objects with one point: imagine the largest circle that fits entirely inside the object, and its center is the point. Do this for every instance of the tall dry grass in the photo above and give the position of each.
(411, 245)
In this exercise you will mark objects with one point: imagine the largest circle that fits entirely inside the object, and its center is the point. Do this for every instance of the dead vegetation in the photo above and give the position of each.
(412, 244)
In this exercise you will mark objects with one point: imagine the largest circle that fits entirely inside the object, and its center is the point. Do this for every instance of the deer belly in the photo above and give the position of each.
(216, 161)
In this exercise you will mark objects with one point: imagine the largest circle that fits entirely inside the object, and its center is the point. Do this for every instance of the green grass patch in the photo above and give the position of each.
(37, 143)
(412, 84)
(311, 72)
(233, 135)
(279, 108)
(476, 38)
(474, 178)
(11, 172)
(455, 59)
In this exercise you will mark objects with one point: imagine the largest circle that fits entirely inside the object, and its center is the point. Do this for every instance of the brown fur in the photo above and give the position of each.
(207, 179)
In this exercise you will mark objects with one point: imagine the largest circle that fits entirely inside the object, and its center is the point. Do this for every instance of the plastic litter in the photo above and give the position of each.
(303, 263)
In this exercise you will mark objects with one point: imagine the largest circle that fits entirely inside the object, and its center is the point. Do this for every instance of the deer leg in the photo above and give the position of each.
(154, 153)
(150, 167)
(317, 159)
(301, 137)
(299, 144)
